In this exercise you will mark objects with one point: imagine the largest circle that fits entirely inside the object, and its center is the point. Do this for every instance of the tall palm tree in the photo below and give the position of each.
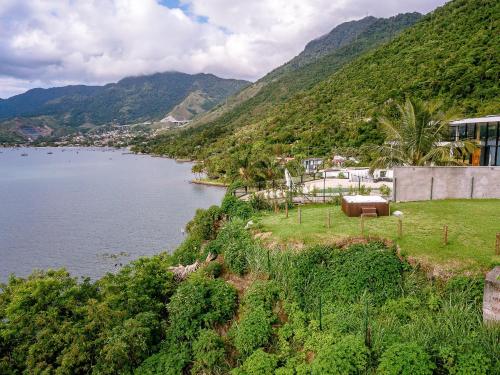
(415, 137)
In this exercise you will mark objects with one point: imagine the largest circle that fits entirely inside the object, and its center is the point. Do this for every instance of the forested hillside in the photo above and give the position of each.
(320, 59)
(451, 55)
(132, 99)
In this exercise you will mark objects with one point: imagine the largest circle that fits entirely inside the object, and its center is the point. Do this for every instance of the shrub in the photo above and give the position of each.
(465, 363)
(405, 359)
(209, 354)
(188, 251)
(200, 303)
(385, 190)
(259, 363)
(213, 269)
(204, 225)
(236, 208)
(253, 330)
(261, 293)
(341, 275)
(233, 242)
(347, 356)
(258, 203)
(169, 361)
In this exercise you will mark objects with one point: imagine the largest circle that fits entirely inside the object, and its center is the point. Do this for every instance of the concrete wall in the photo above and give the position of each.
(427, 183)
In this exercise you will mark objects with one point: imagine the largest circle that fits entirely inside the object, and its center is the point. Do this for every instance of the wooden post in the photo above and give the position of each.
(400, 228)
(300, 216)
(445, 234)
(497, 249)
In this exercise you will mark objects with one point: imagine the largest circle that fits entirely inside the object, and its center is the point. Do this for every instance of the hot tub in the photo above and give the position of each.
(354, 205)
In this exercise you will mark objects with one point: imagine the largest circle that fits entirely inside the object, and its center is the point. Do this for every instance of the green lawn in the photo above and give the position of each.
(472, 224)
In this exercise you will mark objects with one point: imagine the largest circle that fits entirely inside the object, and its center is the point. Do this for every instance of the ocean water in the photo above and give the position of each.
(91, 210)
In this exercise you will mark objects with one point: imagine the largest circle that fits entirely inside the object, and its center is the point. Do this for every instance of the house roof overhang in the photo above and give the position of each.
(476, 120)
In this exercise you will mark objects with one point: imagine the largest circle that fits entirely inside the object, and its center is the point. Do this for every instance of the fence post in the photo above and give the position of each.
(472, 188)
(324, 187)
(445, 234)
(497, 250)
(286, 209)
(300, 215)
(394, 187)
(432, 185)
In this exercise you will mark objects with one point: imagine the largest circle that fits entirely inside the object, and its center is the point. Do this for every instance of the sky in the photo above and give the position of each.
(47, 43)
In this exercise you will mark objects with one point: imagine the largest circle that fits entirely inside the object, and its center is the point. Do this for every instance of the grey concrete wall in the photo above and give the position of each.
(426, 183)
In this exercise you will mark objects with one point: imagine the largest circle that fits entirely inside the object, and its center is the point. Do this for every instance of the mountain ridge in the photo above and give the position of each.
(131, 99)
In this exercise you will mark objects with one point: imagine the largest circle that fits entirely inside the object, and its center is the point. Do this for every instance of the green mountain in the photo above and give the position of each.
(320, 58)
(133, 99)
(450, 55)
(258, 101)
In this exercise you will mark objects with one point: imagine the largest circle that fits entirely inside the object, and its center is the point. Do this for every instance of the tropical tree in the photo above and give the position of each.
(416, 135)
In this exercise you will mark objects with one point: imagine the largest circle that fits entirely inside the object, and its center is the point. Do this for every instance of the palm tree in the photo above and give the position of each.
(415, 137)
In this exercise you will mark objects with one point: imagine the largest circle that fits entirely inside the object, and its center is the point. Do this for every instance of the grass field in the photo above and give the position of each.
(472, 228)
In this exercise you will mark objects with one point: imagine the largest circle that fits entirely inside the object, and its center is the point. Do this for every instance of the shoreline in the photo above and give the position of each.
(208, 183)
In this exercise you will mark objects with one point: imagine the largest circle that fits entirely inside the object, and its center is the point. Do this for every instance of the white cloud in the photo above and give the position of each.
(52, 42)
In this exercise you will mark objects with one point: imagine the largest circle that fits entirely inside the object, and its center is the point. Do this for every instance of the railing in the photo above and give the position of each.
(278, 190)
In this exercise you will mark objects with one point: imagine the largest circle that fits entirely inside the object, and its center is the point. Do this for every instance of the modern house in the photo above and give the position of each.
(486, 132)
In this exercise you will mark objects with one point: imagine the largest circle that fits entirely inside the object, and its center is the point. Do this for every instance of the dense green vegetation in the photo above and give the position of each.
(451, 55)
(322, 310)
(132, 99)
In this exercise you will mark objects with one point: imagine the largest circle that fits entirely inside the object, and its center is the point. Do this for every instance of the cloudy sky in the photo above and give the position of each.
(46, 43)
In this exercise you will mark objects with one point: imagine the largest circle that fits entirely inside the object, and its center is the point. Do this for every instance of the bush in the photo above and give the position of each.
(385, 190)
(341, 275)
(209, 354)
(259, 203)
(259, 363)
(188, 251)
(253, 330)
(213, 269)
(405, 359)
(471, 363)
(465, 363)
(200, 303)
(205, 223)
(261, 293)
(169, 361)
(233, 242)
(236, 208)
(348, 356)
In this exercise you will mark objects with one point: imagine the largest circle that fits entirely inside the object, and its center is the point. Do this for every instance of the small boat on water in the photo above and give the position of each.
(24, 154)
(49, 153)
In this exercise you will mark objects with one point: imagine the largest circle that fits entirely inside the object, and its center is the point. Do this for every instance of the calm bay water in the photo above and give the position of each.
(80, 207)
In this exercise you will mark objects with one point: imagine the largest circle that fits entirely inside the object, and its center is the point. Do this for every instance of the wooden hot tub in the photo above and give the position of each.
(355, 205)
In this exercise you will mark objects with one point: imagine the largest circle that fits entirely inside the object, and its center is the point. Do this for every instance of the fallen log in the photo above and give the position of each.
(181, 272)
